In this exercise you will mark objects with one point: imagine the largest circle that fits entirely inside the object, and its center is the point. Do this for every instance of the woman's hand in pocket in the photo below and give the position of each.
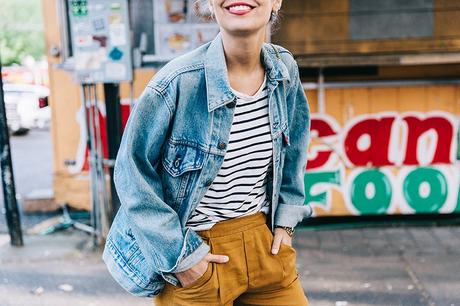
(280, 236)
(189, 276)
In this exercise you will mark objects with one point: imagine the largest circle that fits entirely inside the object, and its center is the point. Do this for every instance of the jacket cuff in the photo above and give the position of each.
(290, 215)
(194, 258)
(193, 251)
(186, 263)
(189, 258)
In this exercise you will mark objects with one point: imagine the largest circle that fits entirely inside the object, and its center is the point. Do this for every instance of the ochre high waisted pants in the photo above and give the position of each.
(252, 276)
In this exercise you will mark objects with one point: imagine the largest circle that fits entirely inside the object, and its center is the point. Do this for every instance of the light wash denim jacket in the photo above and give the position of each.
(172, 148)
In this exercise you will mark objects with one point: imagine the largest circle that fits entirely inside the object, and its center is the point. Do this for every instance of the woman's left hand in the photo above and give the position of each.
(281, 236)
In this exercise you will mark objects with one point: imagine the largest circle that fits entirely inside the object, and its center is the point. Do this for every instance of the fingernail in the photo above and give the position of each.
(274, 251)
(226, 258)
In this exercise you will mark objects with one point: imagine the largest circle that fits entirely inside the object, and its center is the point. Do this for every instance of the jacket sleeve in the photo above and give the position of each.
(167, 245)
(291, 208)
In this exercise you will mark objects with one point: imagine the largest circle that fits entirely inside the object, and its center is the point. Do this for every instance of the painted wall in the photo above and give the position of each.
(385, 151)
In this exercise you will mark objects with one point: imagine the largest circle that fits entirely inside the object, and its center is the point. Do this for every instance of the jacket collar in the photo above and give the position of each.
(217, 83)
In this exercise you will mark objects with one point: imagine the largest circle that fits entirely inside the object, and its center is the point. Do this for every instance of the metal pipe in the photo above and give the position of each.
(114, 128)
(9, 191)
(100, 169)
(86, 93)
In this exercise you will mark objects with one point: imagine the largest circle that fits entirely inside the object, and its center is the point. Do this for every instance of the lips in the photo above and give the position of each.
(239, 8)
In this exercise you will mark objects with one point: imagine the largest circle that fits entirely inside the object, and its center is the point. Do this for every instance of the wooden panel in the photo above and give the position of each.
(321, 27)
(141, 77)
(427, 71)
(344, 47)
(72, 190)
(312, 96)
(441, 98)
(298, 32)
(383, 99)
(457, 103)
(65, 105)
(447, 23)
(322, 7)
(334, 104)
(446, 4)
(64, 95)
(51, 27)
(412, 98)
(356, 102)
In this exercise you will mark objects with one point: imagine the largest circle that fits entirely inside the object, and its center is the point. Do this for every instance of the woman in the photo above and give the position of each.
(210, 172)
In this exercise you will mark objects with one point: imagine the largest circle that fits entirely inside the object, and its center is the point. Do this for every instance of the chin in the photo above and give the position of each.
(242, 30)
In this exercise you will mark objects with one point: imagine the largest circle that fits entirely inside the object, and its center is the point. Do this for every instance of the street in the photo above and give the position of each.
(32, 159)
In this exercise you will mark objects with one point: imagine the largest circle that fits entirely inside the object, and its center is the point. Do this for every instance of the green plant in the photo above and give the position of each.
(21, 30)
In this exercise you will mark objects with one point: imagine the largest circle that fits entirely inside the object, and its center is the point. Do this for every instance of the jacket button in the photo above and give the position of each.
(177, 163)
(208, 183)
(231, 104)
(221, 145)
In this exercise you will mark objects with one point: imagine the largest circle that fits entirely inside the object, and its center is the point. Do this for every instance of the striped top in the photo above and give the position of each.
(239, 188)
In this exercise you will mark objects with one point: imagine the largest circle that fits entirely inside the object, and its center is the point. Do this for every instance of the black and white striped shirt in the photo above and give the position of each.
(239, 188)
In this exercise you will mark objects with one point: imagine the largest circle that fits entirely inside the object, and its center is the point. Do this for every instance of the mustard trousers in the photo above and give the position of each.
(252, 276)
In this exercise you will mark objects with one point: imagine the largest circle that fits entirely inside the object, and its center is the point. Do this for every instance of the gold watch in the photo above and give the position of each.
(289, 230)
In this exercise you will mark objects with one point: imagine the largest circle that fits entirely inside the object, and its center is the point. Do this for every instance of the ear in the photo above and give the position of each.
(277, 5)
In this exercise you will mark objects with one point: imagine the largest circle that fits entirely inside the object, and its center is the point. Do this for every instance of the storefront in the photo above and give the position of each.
(382, 79)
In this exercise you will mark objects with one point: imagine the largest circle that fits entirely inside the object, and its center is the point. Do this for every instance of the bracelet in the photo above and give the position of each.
(289, 230)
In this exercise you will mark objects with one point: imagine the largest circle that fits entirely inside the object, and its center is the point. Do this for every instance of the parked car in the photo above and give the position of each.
(26, 107)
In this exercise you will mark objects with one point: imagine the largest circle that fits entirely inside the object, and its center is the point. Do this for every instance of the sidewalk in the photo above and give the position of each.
(387, 266)
(375, 266)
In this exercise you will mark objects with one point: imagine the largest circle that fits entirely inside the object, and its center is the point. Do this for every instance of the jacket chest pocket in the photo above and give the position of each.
(181, 162)
(180, 158)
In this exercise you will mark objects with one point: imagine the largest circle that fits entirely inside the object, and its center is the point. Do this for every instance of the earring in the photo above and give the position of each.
(274, 15)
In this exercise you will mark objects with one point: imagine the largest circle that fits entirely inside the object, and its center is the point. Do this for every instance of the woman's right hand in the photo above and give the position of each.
(189, 276)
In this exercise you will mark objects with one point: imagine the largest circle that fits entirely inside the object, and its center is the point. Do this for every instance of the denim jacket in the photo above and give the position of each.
(171, 150)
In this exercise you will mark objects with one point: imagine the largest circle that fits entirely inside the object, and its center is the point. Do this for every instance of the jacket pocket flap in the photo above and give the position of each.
(179, 158)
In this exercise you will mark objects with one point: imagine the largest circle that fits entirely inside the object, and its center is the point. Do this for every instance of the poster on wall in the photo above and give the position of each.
(181, 26)
(173, 39)
(101, 45)
(170, 11)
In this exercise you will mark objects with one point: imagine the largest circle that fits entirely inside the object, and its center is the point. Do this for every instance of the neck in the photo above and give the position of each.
(242, 53)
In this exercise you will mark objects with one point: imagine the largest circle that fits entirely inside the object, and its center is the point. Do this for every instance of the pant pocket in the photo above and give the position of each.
(232, 274)
(266, 270)
(203, 291)
(201, 280)
(288, 256)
